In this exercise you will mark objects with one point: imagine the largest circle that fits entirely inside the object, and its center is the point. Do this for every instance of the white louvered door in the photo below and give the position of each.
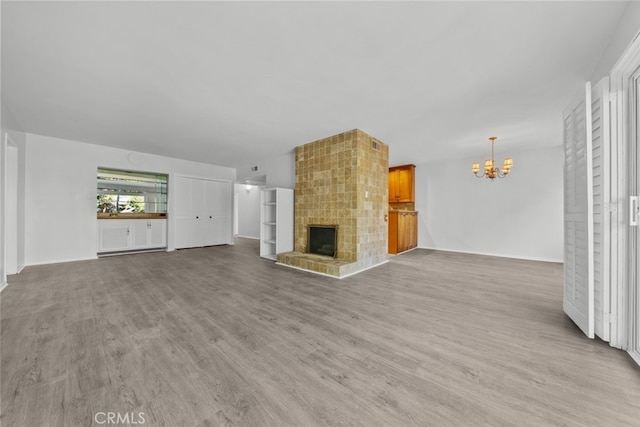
(600, 140)
(578, 297)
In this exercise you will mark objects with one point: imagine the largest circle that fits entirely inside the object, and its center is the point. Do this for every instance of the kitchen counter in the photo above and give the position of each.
(132, 216)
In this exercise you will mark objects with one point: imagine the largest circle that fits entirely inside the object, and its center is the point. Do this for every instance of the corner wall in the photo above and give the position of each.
(520, 216)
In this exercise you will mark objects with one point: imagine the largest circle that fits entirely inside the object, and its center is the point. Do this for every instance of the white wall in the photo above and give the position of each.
(14, 207)
(248, 205)
(60, 214)
(19, 138)
(279, 170)
(11, 209)
(520, 216)
(626, 31)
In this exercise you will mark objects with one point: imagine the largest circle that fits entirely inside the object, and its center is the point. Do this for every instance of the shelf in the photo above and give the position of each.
(276, 222)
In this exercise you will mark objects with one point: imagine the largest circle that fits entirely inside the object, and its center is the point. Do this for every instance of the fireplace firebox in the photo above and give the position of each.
(322, 240)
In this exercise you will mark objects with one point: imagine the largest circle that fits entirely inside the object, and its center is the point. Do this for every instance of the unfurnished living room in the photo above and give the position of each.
(418, 213)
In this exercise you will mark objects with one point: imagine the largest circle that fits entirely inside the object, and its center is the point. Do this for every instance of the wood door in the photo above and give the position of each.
(393, 186)
(413, 230)
(393, 233)
(405, 178)
(403, 229)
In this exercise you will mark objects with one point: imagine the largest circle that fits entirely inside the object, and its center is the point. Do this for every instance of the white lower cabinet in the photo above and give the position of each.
(118, 235)
(114, 235)
(150, 233)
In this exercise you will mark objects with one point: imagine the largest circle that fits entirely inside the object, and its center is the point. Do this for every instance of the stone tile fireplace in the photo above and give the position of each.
(341, 182)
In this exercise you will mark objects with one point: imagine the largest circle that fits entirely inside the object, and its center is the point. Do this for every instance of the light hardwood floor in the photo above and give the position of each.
(219, 336)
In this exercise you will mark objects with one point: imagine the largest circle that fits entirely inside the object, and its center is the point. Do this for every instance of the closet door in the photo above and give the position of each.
(186, 235)
(600, 148)
(217, 212)
(578, 297)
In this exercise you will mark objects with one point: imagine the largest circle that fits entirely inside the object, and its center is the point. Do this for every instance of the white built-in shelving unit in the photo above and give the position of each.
(276, 222)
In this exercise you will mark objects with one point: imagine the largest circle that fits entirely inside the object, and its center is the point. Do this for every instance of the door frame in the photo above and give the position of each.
(625, 305)
(3, 192)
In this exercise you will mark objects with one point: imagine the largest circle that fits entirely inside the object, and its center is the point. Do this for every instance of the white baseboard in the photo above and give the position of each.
(247, 237)
(3, 285)
(494, 255)
(61, 261)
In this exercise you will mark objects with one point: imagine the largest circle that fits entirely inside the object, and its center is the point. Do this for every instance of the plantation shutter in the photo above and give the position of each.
(600, 140)
(578, 294)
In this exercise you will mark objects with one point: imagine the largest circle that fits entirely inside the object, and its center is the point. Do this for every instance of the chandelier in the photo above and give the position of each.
(490, 171)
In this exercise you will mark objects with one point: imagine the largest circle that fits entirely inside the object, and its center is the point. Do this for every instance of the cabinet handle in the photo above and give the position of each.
(127, 231)
(209, 216)
(197, 217)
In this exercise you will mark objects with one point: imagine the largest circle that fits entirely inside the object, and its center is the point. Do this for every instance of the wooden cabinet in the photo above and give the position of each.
(121, 235)
(403, 231)
(203, 212)
(276, 222)
(401, 184)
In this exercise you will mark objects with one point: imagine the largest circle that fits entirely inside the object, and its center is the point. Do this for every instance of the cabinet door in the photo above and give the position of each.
(157, 233)
(413, 230)
(402, 232)
(140, 228)
(405, 178)
(401, 184)
(114, 235)
(393, 186)
(393, 233)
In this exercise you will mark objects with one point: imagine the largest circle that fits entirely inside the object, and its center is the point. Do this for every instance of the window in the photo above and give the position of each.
(130, 192)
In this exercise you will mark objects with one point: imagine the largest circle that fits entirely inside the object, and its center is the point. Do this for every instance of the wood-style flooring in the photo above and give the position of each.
(220, 337)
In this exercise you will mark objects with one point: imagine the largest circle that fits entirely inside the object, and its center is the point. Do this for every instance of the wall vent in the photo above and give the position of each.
(254, 169)
(375, 144)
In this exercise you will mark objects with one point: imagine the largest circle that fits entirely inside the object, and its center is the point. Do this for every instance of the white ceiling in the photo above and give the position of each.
(234, 83)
